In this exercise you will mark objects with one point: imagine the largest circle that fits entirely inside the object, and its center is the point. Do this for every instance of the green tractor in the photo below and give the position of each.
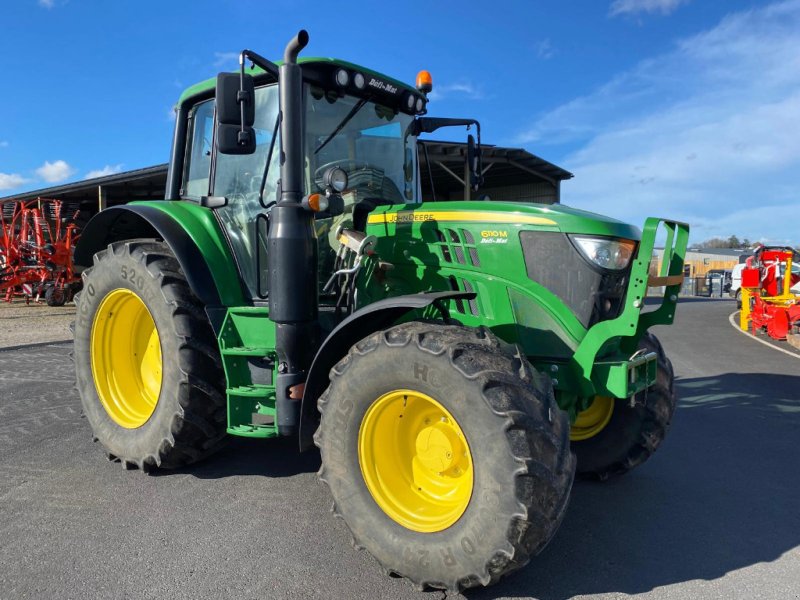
(456, 363)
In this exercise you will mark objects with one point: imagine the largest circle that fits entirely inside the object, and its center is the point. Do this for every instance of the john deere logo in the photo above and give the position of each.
(494, 236)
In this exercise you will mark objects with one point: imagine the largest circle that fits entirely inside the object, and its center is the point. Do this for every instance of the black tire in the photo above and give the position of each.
(634, 432)
(55, 296)
(739, 299)
(517, 435)
(189, 419)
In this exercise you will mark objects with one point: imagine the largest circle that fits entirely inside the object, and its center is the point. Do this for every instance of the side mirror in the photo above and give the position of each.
(474, 163)
(236, 113)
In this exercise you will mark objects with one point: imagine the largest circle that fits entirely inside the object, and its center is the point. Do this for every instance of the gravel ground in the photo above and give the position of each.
(22, 324)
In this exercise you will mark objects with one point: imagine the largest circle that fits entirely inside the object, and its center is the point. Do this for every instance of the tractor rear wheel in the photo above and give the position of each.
(447, 457)
(613, 436)
(147, 367)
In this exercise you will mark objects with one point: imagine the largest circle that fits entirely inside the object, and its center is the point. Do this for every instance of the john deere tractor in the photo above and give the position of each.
(456, 362)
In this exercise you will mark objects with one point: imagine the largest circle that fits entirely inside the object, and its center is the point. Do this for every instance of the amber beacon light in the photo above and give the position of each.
(424, 82)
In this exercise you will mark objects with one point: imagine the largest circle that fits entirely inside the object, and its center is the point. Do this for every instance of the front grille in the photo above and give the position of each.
(592, 293)
(455, 249)
(463, 306)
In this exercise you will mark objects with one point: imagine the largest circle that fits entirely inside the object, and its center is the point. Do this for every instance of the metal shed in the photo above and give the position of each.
(511, 174)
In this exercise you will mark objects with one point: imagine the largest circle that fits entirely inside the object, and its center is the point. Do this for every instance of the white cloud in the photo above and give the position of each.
(3, 144)
(228, 60)
(464, 89)
(9, 181)
(47, 3)
(107, 170)
(53, 172)
(544, 49)
(706, 133)
(665, 7)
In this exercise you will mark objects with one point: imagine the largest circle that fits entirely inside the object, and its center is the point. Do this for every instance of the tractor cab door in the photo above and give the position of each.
(238, 179)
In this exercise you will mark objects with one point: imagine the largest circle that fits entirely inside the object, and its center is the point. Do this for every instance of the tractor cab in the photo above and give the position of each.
(358, 137)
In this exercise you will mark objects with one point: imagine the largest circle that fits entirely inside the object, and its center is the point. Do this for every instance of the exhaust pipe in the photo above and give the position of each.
(295, 45)
(292, 251)
(291, 103)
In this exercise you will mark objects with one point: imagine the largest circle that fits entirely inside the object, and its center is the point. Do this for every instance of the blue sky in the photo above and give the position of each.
(681, 108)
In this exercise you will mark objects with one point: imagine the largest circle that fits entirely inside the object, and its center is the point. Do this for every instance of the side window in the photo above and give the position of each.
(238, 176)
(198, 151)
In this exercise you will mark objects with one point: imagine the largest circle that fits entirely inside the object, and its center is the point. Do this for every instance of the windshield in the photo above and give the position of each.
(365, 139)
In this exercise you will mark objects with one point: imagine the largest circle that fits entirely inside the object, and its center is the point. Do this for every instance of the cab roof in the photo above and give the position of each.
(208, 85)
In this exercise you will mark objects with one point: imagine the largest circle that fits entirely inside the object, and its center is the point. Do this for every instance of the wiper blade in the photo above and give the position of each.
(357, 107)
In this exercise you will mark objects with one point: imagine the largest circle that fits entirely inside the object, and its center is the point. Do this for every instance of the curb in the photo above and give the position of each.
(759, 340)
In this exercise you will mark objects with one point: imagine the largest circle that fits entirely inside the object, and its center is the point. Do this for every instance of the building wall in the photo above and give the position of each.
(532, 192)
(701, 263)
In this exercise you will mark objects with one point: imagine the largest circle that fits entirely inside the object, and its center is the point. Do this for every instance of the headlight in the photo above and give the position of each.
(607, 253)
(420, 104)
(336, 179)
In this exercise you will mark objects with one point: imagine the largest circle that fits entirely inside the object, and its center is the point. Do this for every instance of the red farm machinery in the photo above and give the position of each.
(768, 301)
(36, 247)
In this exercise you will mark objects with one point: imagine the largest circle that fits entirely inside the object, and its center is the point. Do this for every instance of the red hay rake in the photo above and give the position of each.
(36, 246)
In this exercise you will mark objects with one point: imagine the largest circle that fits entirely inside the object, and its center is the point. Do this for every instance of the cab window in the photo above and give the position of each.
(198, 151)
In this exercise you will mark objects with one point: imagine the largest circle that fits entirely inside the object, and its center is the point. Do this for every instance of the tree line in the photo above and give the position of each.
(730, 242)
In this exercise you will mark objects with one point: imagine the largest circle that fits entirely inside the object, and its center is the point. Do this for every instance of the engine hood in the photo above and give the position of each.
(556, 217)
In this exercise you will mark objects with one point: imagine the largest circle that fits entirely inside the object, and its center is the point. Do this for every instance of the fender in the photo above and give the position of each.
(192, 234)
(367, 320)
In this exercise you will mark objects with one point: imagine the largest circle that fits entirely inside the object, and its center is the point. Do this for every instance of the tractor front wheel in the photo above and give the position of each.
(147, 368)
(447, 457)
(613, 436)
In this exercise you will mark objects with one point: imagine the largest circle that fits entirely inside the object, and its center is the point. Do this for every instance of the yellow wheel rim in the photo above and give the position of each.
(126, 358)
(415, 461)
(593, 420)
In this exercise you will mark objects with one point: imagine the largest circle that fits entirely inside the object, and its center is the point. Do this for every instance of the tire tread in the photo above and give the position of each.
(515, 393)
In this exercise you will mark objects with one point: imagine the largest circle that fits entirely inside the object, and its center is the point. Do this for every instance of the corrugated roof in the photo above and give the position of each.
(515, 158)
(145, 178)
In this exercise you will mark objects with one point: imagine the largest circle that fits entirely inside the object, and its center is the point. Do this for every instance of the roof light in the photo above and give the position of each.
(342, 77)
(424, 82)
(410, 102)
(359, 81)
(420, 104)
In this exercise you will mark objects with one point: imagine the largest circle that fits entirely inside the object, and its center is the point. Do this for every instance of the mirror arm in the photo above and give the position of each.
(258, 60)
(431, 124)
(242, 97)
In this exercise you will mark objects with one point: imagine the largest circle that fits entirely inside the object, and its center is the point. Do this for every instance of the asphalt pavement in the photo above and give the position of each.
(714, 514)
